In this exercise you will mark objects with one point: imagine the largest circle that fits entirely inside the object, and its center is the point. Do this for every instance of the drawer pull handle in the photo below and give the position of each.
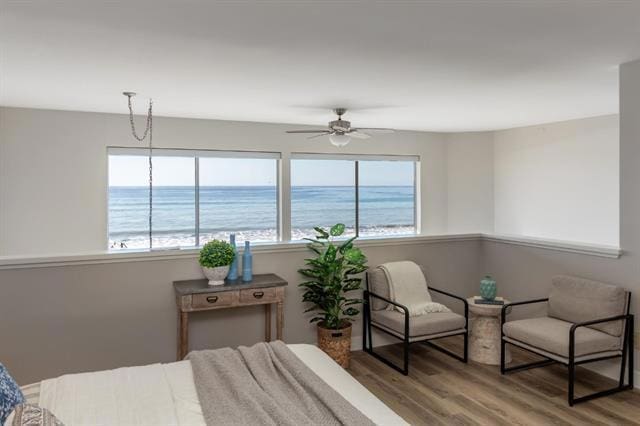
(212, 299)
(258, 294)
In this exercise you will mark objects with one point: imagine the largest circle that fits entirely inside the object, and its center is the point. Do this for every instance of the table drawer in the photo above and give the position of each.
(211, 300)
(257, 295)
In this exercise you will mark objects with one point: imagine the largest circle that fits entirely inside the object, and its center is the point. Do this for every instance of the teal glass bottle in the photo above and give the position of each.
(247, 263)
(233, 270)
(488, 288)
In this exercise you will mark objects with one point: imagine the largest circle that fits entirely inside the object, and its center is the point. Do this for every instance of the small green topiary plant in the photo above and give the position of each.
(216, 253)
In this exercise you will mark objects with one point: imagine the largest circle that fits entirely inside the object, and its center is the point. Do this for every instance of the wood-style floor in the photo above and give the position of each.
(443, 391)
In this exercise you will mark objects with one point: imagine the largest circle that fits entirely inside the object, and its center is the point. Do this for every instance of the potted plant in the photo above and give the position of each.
(331, 274)
(215, 258)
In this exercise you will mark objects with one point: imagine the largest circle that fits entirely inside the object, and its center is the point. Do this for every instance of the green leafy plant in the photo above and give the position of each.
(331, 275)
(216, 253)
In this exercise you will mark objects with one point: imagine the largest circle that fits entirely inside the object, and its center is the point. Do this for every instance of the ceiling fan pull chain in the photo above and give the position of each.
(133, 126)
(148, 131)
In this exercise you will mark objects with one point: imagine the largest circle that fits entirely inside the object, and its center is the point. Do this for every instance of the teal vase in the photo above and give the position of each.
(488, 288)
(247, 263)
(233, 270)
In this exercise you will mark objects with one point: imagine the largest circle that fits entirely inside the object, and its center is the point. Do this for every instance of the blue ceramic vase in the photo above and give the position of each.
(488, 288)
(247, 263)
(233, 269)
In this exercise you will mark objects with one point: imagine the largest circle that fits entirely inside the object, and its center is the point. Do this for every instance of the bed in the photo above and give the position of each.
(165, 394)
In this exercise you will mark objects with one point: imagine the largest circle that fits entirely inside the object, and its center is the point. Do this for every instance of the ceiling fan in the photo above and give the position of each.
(340, 131)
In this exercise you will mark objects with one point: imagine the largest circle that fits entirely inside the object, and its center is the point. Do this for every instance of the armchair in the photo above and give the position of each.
(587, 321)
(400, 325)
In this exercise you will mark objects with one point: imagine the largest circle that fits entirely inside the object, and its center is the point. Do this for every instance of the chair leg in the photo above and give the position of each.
(466, 346)
(502, 349)
(572, 378)
(367, 345)
(461, 358)
(370, 335)
(405, 370)
(405, 366)
(365, 319)
(623, 366)
(626, 361)
(631, 347)
(536, 364)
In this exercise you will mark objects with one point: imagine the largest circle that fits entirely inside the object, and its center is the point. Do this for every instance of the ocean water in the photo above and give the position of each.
(251, 213)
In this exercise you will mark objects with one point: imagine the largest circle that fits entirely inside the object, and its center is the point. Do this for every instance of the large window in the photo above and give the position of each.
(372, 195)
(197, 196)
(203, 195)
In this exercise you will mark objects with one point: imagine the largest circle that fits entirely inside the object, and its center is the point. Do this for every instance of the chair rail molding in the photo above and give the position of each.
(557, 245)
(19, 262)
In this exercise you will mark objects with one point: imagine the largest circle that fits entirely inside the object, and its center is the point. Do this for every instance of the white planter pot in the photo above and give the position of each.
(216, 275)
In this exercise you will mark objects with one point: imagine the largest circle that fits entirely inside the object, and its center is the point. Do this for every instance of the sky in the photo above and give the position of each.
(180, 171)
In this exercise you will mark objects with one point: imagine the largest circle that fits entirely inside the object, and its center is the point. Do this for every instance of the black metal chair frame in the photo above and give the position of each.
(626, 355)
(367, 335)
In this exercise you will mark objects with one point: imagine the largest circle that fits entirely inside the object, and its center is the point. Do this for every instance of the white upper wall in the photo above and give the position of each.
(53, 170)
(559, 181)
(470, 182)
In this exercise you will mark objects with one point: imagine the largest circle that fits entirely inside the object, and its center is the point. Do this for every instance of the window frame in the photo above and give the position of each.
(196, 154)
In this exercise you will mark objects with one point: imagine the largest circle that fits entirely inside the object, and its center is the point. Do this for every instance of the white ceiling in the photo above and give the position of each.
(441, 66)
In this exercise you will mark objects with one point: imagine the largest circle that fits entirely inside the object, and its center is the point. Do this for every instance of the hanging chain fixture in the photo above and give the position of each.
(148, 132)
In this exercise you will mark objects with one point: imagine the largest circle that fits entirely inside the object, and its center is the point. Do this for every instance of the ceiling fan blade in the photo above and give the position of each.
(358, 135)
(317, 136)
(375, 129)
(307, 131)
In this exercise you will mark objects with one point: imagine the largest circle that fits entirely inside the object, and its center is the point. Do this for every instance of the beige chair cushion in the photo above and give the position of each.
(378, 284)
(575, 300)
(552, 335)
(422, 325)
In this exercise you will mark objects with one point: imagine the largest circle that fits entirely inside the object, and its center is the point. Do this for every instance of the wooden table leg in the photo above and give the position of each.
(267, 322)
(183, 339)
(279, 319)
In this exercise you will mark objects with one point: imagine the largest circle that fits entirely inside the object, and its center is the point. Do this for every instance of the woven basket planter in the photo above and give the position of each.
(336, 343)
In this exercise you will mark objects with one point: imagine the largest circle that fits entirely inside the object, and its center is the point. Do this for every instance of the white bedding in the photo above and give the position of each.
(165, 394)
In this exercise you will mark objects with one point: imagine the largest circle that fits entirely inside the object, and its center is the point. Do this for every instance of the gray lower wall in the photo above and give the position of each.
(58, 320)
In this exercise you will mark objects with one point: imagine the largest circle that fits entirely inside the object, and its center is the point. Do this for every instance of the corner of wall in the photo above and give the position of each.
(470, 182)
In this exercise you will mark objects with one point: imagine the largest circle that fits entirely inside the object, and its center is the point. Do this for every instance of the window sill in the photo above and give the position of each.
(19, 262)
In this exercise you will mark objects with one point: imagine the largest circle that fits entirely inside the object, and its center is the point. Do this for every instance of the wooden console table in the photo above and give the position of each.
(198, 295)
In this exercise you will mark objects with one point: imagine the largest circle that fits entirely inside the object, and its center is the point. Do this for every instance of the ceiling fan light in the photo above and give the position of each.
(339, 139)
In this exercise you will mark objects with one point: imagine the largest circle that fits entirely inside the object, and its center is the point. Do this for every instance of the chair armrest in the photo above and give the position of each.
(377, 296)
(524, 302)
(405, 310)
(574, 327)
(577, 325)
(448, 294)
(462, 299)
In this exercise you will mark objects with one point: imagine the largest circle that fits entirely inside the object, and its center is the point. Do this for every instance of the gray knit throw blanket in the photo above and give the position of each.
(266, 384)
